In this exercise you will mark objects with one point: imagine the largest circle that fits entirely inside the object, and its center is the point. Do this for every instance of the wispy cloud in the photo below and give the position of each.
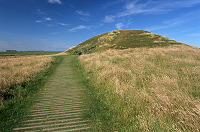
(85, 16)
(38, 21)
(112, 3)
(133, 7)
(40, 12)
(85, 19)
(109, 19)
(62, 24)
(80, 27)
(83, 13)
(153, 28)
(119, 25)
(155, 7)
(12, 45)
(55, 1)
(194, 35)
(47, 19)
(176, 21)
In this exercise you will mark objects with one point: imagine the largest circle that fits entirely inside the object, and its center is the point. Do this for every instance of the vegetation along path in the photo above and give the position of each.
(59, 106)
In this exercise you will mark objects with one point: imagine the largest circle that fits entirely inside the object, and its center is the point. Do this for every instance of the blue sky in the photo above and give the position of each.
(61, 24)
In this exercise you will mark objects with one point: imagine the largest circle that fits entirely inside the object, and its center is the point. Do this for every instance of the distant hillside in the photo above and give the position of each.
(122, 39)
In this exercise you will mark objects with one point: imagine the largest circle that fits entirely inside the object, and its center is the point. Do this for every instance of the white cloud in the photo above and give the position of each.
(109, 19)
(112, 3)
(85, 19)
(119, 25)
(44, 19)
(83, 13)
(38, 21)
(47, 19)
(55, 1)
(79, 28)
(176, 21)
(62, 24)
(155, 7)
(133, 7)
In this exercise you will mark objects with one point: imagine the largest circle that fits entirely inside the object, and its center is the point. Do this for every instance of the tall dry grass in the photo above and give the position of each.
(159, 88)
(19, 69)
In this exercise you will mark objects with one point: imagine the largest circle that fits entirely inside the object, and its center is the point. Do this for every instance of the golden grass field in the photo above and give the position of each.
(159, 88)
(16, 70)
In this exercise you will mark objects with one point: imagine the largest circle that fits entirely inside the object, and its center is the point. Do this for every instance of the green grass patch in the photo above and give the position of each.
(12, 110)
(143, 89)
(29, 53)
(102, 117)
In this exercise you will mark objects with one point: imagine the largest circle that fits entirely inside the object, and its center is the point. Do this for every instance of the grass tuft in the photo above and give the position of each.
(144, 89)
(12, 110)
(18, 70)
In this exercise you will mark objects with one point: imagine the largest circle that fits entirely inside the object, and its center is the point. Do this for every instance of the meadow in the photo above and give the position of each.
(144, 89)
(29, 53)
(21, 78)
(17, 70)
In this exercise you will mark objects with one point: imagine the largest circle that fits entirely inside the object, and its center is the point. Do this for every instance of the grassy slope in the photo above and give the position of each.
(153, 87)
(140, 38)
(144, 89)
(29, 53)
(123, 39)
(13, 109)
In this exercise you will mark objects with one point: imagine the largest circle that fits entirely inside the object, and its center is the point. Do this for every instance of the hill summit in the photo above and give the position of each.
(122, 39)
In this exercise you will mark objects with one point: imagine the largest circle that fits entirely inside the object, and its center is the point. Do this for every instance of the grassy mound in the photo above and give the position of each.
(122, 39)
(141, 81)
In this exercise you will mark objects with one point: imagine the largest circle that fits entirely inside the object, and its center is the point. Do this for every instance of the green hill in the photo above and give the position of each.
(123, 39)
